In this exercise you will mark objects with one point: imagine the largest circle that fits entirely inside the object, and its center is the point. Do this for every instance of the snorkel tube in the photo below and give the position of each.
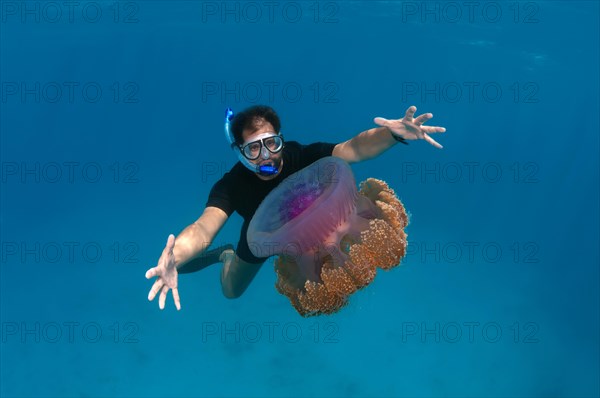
(265, 170)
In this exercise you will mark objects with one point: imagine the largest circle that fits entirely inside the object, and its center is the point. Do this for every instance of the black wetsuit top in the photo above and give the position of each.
(241, 190)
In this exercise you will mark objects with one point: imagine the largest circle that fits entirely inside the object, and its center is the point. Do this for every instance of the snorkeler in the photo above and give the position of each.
(265, 160)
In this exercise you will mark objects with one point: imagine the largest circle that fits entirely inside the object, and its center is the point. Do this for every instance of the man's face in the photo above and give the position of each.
(275, 159)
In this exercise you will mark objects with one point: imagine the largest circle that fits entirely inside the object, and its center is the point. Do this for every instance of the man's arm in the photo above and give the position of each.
(367, 145)
(189, 244)
(371, 143)
(195, 238)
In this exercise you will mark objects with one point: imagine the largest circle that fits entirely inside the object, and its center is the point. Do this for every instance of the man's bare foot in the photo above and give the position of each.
(226, 255)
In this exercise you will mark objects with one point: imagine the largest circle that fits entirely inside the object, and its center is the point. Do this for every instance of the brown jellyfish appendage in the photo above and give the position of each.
(382, 244)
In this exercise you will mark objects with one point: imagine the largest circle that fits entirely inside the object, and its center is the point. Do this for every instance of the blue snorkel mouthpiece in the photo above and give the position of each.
(265, 170)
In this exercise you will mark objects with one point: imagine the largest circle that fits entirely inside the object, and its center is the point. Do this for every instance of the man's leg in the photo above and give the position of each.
(205, 259)
(236, 274)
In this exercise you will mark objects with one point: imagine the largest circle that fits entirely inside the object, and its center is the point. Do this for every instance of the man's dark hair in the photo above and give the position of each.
(250, 119)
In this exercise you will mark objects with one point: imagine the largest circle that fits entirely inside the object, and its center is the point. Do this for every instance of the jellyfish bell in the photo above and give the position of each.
(329, 237)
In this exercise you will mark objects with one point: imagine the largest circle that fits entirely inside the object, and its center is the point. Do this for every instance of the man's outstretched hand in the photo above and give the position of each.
(166, 276)
(411, 128)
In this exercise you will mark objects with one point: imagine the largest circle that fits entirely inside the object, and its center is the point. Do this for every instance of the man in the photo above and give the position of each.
(265, 161)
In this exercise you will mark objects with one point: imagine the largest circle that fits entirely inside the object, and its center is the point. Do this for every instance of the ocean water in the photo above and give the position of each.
(111, 138)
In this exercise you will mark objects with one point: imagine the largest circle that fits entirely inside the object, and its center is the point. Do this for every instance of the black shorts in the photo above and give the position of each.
(243, 250)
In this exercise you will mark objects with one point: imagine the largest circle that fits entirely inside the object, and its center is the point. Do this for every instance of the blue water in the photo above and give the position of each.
(111, 138)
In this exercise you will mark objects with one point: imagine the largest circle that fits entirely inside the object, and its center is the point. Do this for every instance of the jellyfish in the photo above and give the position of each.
(329, 237)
